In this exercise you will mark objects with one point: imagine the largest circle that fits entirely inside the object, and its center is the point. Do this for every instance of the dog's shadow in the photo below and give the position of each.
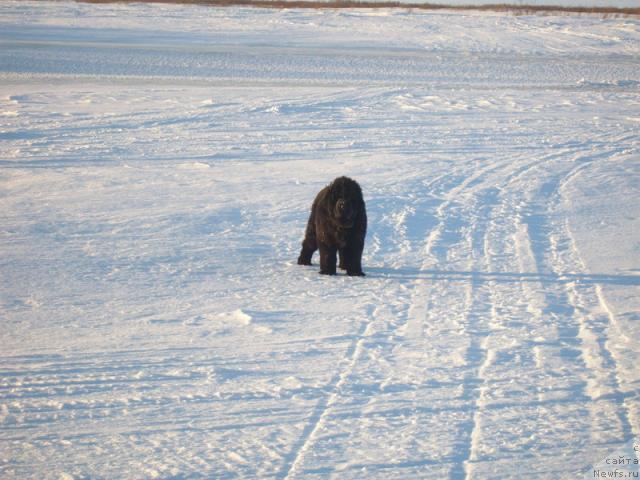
(411, 274)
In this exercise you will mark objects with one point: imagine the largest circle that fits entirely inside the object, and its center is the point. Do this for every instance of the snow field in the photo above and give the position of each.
(157, 165)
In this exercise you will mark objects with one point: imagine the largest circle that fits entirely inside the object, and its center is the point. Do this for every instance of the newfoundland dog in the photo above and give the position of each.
(337, 225)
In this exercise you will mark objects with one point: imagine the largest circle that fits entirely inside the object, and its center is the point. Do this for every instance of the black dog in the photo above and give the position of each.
(337, 224)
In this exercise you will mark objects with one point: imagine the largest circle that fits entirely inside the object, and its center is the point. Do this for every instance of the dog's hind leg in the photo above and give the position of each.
(353, 260)
(309, 244)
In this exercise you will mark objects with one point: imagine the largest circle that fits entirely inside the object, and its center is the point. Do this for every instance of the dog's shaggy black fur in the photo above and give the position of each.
(337, 225)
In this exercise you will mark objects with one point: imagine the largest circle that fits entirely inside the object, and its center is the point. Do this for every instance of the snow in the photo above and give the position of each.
(157, 166)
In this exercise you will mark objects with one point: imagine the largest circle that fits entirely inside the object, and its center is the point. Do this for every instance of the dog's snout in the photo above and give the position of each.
(343, 209)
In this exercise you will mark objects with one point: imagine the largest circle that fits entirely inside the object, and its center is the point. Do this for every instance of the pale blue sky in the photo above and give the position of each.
(579, 3)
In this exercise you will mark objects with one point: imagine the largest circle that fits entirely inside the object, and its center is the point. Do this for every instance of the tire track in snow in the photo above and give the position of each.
(482, 317)
(594, 358)
(596, 322)
(507, 354)
(414, 221)
(321, 412)
(482, 353)
(451, 234)
(435, 236)
(595, 328)
(561, 299)
(550, 310)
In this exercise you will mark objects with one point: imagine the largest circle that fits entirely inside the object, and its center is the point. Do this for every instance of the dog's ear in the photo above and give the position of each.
(353, 190)
(356, 191)
(334, 192)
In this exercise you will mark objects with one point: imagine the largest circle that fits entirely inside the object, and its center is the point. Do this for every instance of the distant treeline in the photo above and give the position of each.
(318, 4)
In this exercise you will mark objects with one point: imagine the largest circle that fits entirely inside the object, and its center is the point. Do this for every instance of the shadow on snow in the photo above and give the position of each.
(408, 273)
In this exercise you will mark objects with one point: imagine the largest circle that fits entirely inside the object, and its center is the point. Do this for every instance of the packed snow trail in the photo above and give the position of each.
(157, 165)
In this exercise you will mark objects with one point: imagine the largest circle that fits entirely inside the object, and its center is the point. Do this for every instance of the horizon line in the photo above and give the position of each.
(518, 9)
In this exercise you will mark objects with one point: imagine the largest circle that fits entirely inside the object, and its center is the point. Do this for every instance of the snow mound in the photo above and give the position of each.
(235, 317)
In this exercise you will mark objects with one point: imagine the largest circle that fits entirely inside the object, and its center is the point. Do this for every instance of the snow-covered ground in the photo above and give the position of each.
(157, 166)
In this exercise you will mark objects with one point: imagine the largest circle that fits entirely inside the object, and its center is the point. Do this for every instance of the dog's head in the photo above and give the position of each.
(345, 199)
